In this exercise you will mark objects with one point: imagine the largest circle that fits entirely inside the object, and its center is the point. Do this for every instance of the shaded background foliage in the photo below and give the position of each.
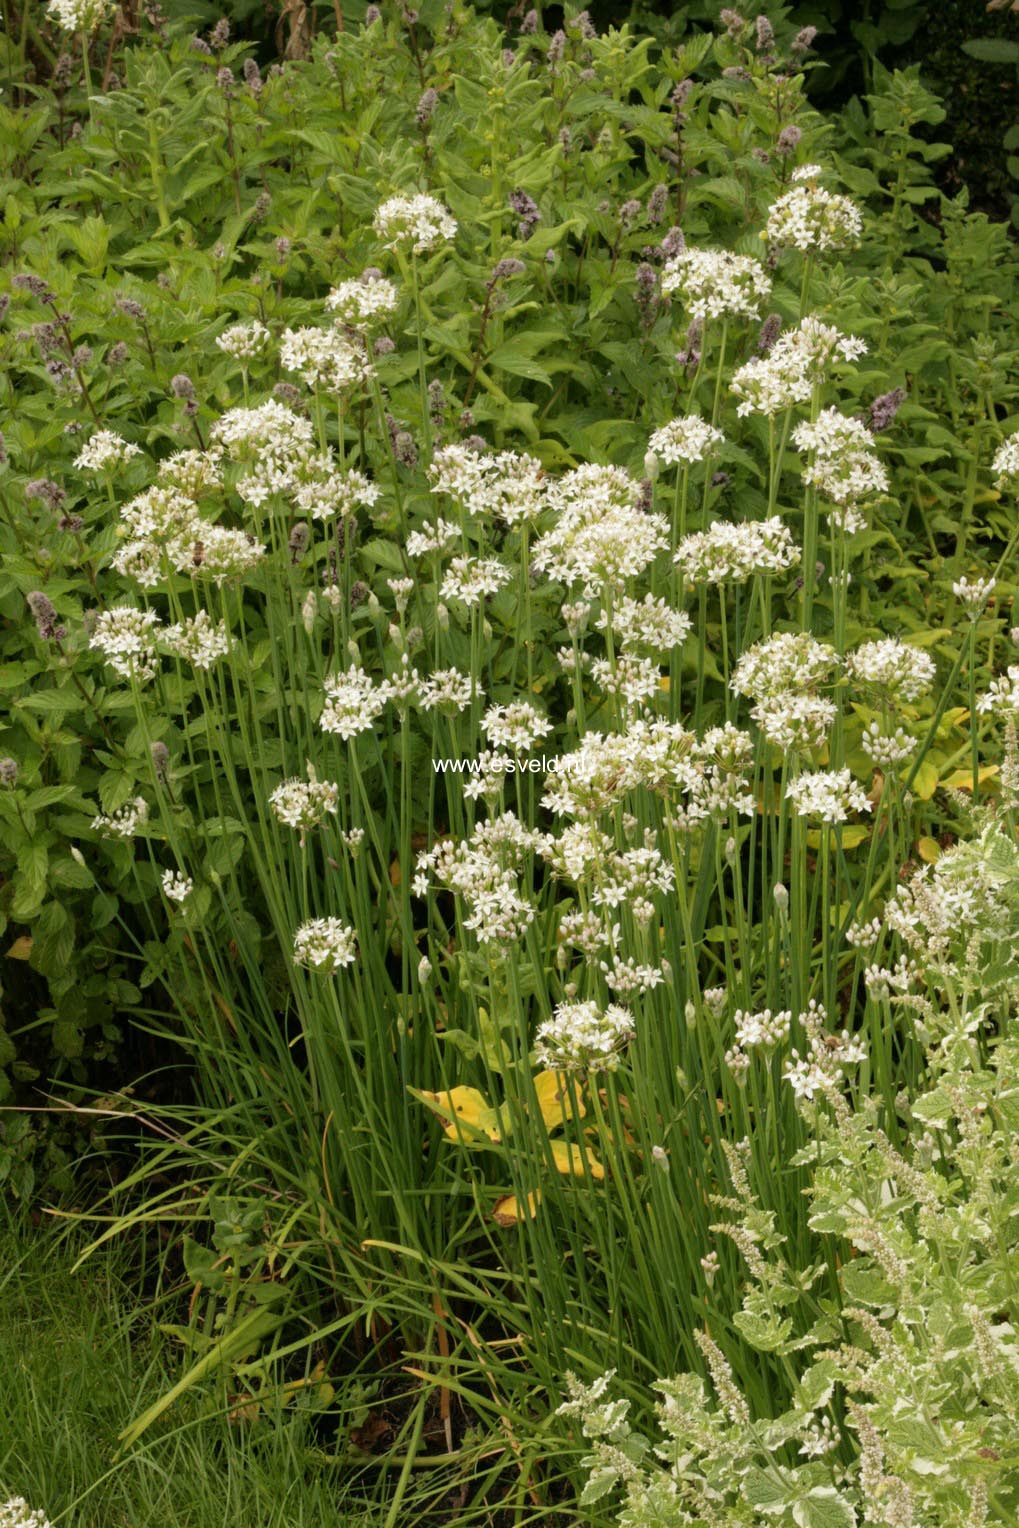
(979, 93)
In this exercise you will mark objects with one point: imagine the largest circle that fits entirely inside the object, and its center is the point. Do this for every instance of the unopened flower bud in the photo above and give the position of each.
(781, 896)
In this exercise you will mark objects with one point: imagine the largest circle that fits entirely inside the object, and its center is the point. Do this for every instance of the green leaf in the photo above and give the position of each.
(53, 940)
(824, 1507)
(992, 50)
(762, 1490)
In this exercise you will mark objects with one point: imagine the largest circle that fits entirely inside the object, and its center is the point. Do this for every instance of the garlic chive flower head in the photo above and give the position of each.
(484, 871)
(517, 726)
(727, 553)
(715, 283)
(651, 623)
(581, 1037)
(448, 691)
(828, 795)
(782, 675)
(198, 639)
(796, 364)
(304, 804)
(324, 945)
(364, 300)
(788, 661)
(334, 492)
(808, 217)
(126, 638)
(16, 1513)
(352, 703)
(1002, 694)
(268, 430)
(192, 473)
(897, 672)
(325, 358)
(505, 485)
(974, 594)
(1006, 463)
(603, 537)
(422, 222)
(244, 341)
(177, 887)
(124, 821)
(471, 579)
(77, 15)
(843, 467)
(684, 441)
(104, 450)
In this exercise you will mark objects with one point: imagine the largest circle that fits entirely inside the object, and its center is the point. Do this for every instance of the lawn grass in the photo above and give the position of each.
(78, 1359)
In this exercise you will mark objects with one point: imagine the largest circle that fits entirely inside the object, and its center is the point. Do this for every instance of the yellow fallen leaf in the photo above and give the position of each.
(929, 850)
(853, 834)
(962, 779)
(570, 1159)
(21, 949)
(465, 1112)
(925, 782)
(665, 683)
(507, 1211)
(553, 1100)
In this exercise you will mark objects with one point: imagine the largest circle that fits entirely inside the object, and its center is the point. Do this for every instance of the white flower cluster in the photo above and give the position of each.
(484, 871)
(447, 690)
(325, 358)
(166, 530)
(16, 1513)
(827, 1056)
(126, 638)
(78, 15)
(303, 804)
(733, 553)
(1006, 462)
(898, 672)
(828, 795)
(352, 704)
(192, 473)
(324, 945)
(700, 777)
(103, 450)
(517, 726)
(332, 491)
(974, 593)
(842, 467)
(420, 221)
(795, 365)
(581, 1037)
(1002, 695)
(363, 301)
(244, 341)
(756, 1031)
(649, 622)
(887, 749)
(715, 283)
(125, 821)
(781, 675)
(434, 536)
(472, 579)
(808, 217)
(198, 639)
(685, 441)
(505, 485)
(177, 887)
(602, 537)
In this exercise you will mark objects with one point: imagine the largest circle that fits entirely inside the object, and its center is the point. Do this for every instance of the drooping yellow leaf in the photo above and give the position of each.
(925, 782)
(570, 1159)
(962, 779)
(508, 1210)
(465, 1114)
(851, 835)
(554, 1101)
(21, 949)
(929, 850)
